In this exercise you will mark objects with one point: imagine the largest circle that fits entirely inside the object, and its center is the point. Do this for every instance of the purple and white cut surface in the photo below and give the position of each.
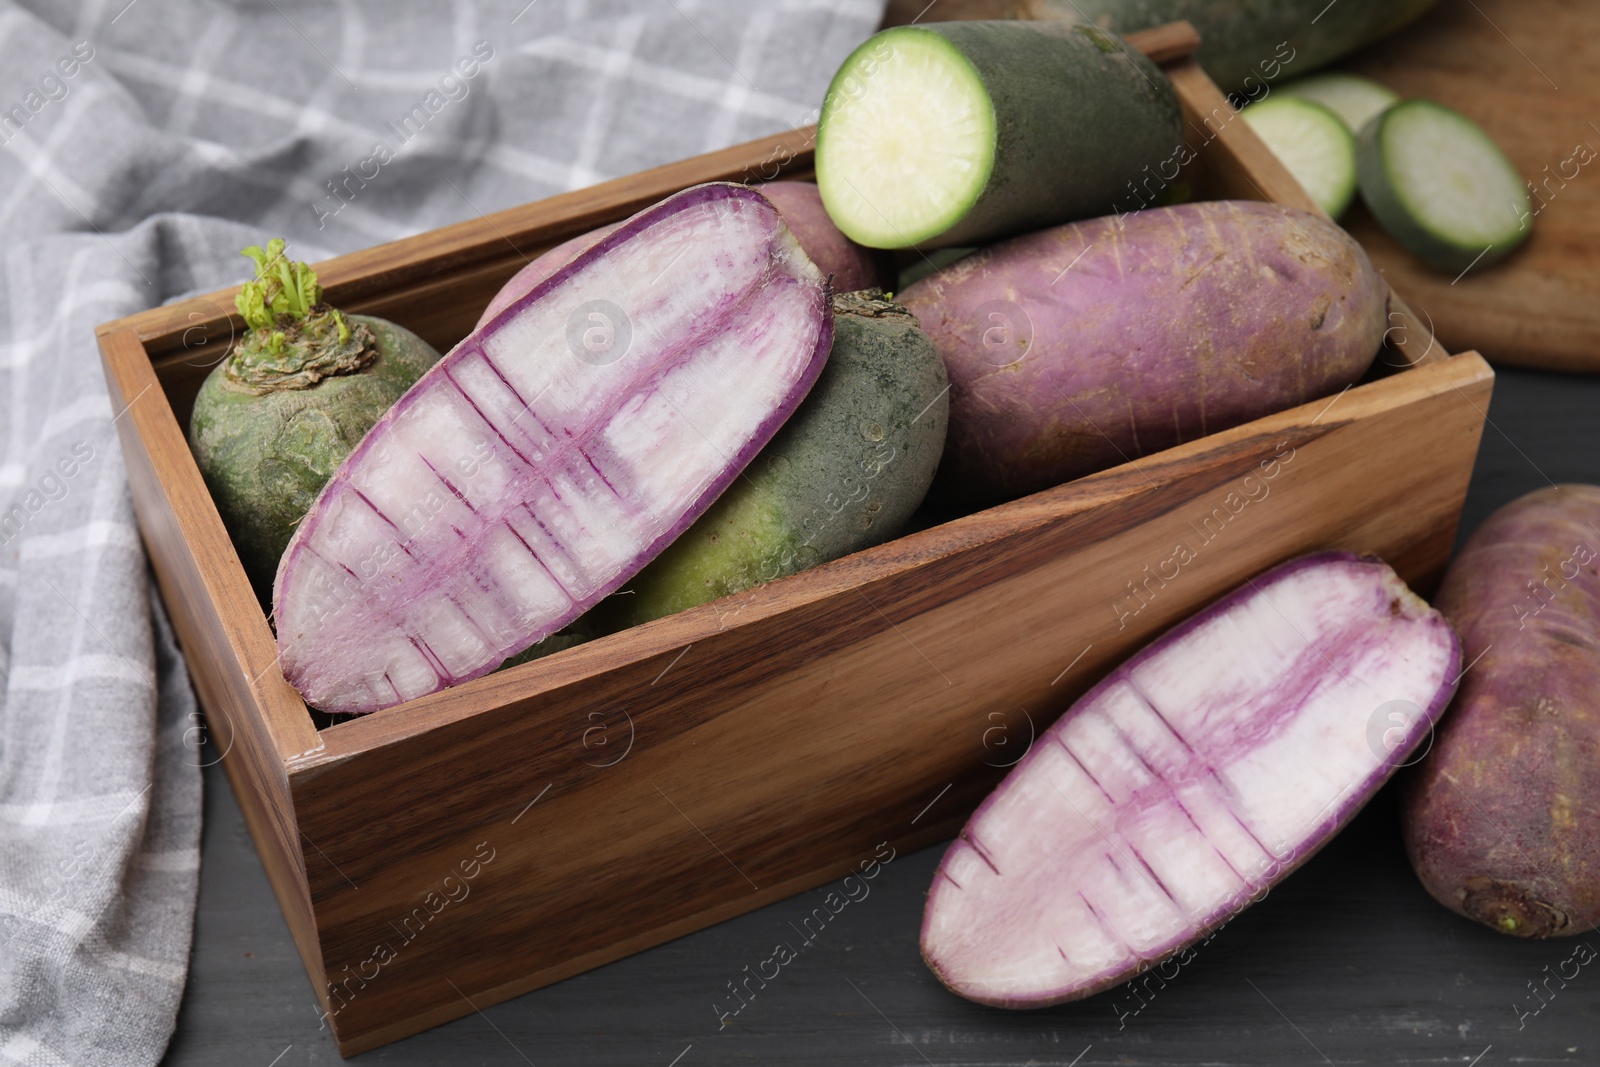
(1189, 780)
(553, 452)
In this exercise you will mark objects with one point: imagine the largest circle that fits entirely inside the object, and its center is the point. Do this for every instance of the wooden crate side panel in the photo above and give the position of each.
(227, 638)
(734, 783)
(155, 454)
(268, 819)
(353, 1039)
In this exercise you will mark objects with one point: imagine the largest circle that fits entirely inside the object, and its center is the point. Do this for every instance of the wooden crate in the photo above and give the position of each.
(481, 842)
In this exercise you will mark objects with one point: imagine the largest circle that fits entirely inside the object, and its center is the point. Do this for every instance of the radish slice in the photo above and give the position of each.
(553, 452)
(1313, 144)
(1194, 776)
(1441, 187)
(1356, 100)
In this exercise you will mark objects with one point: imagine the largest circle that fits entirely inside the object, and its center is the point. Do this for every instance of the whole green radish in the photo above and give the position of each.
(276, 417)
(846, 471)
(1502, 820)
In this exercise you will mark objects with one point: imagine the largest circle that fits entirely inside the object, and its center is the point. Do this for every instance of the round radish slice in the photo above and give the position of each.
(1442, 187)
(1313, 143)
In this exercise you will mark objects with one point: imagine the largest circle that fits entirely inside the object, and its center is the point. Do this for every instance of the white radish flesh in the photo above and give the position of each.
(1189, 780)
(553, 452)
(1313, 144)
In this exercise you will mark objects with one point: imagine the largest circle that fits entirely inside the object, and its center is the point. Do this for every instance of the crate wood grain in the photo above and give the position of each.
(486, 840)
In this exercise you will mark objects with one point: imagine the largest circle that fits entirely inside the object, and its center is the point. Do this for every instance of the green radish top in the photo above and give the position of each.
(295, 340)
(303, 383)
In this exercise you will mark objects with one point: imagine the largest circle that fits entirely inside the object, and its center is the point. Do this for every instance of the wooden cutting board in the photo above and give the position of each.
(1528, 72)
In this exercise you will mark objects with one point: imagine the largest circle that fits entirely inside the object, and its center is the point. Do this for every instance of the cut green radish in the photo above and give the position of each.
(1354, 99)
(925, 128)
(1441, 186)
(962, 132)
(1313, 143)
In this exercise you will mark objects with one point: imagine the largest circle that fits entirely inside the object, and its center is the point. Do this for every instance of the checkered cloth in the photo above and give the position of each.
(145, 143)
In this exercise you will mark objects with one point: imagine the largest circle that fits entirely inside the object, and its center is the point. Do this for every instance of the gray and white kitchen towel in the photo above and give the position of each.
(145, 143)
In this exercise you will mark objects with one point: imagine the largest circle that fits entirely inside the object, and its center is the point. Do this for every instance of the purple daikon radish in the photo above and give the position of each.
(553, 452)
(1188, 781)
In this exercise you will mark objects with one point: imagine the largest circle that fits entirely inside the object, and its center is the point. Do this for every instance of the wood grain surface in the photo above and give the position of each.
(253, 714)
(1528, 72)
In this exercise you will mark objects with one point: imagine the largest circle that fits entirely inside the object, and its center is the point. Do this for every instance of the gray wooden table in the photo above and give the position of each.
(1347, 962)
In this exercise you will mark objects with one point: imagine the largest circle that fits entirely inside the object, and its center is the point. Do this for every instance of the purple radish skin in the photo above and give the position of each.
(1079, 347)
(1187, 782)
(847, 265)
(553, 452)
(1501, 818)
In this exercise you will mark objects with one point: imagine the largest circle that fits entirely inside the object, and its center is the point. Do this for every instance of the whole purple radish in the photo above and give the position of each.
(851, 266)
(1187, 782)
(1076, 348)
(553, 452)
(1501, 819)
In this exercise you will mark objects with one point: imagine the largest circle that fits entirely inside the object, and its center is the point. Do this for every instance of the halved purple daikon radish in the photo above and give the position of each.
(1193, 777)
(553, 452)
